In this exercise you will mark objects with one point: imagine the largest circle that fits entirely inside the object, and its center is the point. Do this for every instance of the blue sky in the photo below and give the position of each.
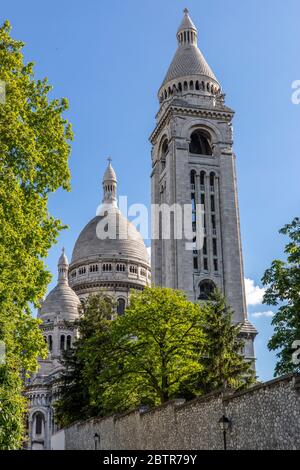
(109, 58)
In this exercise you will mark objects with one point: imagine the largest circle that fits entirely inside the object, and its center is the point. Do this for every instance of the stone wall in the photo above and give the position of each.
(265, 417)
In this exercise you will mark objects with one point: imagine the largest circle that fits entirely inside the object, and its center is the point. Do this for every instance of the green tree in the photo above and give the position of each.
(34, 152)
(85, 361)
(154, 348)
(222, 358)
(282, 280)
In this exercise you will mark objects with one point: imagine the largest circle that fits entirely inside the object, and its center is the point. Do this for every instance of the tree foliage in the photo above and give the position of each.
(164, 347)
(224, 365)
(282, 280)
(34, 151)
(85, 360)
(155, 348)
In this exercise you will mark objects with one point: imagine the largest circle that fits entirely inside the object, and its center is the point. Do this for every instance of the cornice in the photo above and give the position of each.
(225, 114)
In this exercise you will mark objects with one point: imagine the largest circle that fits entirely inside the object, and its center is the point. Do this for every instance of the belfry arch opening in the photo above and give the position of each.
(200, 143)
(206, 288)
(164, 151)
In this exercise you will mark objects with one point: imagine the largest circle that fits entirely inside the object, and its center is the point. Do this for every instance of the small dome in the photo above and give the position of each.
(63, 260)
(109, 174)
(61, 302)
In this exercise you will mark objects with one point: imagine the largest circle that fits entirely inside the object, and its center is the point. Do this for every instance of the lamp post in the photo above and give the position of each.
(224, 423)
(96, 441)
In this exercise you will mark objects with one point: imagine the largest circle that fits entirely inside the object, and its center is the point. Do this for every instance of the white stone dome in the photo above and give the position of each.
(61, 303)
(128, 243)
(109, 252)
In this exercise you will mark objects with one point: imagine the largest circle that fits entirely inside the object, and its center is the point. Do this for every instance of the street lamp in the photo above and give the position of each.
(224, 423)
(96, 441)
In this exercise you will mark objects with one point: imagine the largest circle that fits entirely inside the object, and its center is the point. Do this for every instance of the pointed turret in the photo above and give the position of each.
(187, 26)
(189, 70)
(109, 184)
(63, 267)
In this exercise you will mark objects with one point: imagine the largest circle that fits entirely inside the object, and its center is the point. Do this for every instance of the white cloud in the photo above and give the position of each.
(269, 313)
(254, 294)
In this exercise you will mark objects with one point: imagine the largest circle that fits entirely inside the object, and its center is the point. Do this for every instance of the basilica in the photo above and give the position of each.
(193, 163)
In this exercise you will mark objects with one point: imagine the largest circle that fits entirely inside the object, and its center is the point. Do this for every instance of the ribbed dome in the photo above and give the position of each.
(128, 243)
(187, 61)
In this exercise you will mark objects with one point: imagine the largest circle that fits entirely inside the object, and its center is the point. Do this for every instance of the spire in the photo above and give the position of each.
(109, 184)
(188, 65)
(187, 31)
(63, 268)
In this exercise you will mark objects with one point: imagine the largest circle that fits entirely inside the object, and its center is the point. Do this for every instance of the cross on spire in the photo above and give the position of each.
(186, 11)
(109, 159)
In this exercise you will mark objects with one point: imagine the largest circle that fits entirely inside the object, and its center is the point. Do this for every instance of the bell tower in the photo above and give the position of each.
(193, 164)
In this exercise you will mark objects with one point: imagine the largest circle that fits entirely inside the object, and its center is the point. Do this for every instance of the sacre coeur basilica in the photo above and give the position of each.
(193, 163)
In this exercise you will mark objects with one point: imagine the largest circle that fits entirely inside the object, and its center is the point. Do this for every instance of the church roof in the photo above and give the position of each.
(62, 300)
(63, 260)
(109, 174)
(188, 59)
(127, 243)
(186, 22)
(120, 239)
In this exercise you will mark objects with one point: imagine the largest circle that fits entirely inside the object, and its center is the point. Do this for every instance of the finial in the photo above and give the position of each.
(109, 159)
(186, 11)
(63, 250)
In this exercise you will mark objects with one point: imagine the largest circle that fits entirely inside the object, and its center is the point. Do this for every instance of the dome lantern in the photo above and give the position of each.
(109, 184)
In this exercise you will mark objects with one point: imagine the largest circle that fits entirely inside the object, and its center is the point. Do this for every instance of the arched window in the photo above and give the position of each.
(185, 86)
(39, 418)
(68, 342)
(206, 288)
(62, 342)
(202, 180)
(179, 87)
(106, 267)
(121, 267)
(191, 85)
(133, 269)
(197, 85)
(120, 306)
(193, 178)
(94, 268)
(50, 342)
(200, 144)
(212, 180)
(164, 151)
